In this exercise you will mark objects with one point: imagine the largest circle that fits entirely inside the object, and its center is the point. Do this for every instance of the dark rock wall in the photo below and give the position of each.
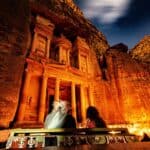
(121, 92)
(14, 33)
(69, 19)
(127, 94)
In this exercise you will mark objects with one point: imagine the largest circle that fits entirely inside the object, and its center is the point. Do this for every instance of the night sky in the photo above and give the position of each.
(126, 21)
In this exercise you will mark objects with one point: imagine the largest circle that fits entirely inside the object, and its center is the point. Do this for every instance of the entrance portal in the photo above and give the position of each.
(65, 91)
(50, 103)
(78, 103)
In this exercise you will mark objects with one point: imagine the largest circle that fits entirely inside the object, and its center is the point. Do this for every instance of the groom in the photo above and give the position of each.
(60, 117)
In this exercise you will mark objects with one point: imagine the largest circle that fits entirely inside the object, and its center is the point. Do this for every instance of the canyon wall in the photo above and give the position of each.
(125, 94)
(14, 21)
(121, 91)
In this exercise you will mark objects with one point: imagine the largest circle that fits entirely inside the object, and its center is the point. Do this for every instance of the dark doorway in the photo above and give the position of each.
(65, 91)
(78, 103)
(50, 105)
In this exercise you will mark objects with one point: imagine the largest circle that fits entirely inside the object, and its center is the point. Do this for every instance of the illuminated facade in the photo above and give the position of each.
(57, 68)
(49, 51)
(68, 69)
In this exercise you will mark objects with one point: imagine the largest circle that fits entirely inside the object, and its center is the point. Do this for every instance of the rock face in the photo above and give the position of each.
(15, 43)
(142, 50)
(13, 48)
(69, 19)
(117, 84)
(121, 47)
(124, 90)
(72, 6)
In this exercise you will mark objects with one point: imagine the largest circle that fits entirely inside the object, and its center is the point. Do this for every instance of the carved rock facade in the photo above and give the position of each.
(57, 54)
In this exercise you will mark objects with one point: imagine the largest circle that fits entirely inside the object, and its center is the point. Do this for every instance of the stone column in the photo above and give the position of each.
(24, 96)
(48, 48)
(42, 99)
(34, 42)
(83, 103)
(57, 89)
(73, 100)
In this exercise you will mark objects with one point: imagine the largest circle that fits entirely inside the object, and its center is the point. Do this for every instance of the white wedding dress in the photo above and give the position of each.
(56, 118)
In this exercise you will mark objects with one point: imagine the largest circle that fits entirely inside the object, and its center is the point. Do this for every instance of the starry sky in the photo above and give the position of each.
(126, 21)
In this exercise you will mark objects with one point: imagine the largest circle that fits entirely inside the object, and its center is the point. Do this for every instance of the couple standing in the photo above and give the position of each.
(61, 117)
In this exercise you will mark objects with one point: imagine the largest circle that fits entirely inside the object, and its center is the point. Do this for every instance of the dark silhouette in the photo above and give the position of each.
(69, 121)
(145, 138)
(93, 118)
(60, 116)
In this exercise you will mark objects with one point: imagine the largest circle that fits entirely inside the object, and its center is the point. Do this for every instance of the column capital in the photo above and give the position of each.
(45, 75)
(73, 83)
(48, 38)
(58, 79)
(82, 85)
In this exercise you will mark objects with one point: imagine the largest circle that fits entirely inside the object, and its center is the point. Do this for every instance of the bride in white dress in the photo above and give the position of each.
(56, 118)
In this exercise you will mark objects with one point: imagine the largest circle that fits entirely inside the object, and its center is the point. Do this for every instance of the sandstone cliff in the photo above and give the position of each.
(142, 50)
(70, 19)
(121, 91)
(15, 42)
(129, 84)
(13, 48)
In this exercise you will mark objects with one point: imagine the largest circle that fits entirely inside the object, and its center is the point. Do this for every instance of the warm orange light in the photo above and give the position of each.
(136, 129)
(114, 132)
